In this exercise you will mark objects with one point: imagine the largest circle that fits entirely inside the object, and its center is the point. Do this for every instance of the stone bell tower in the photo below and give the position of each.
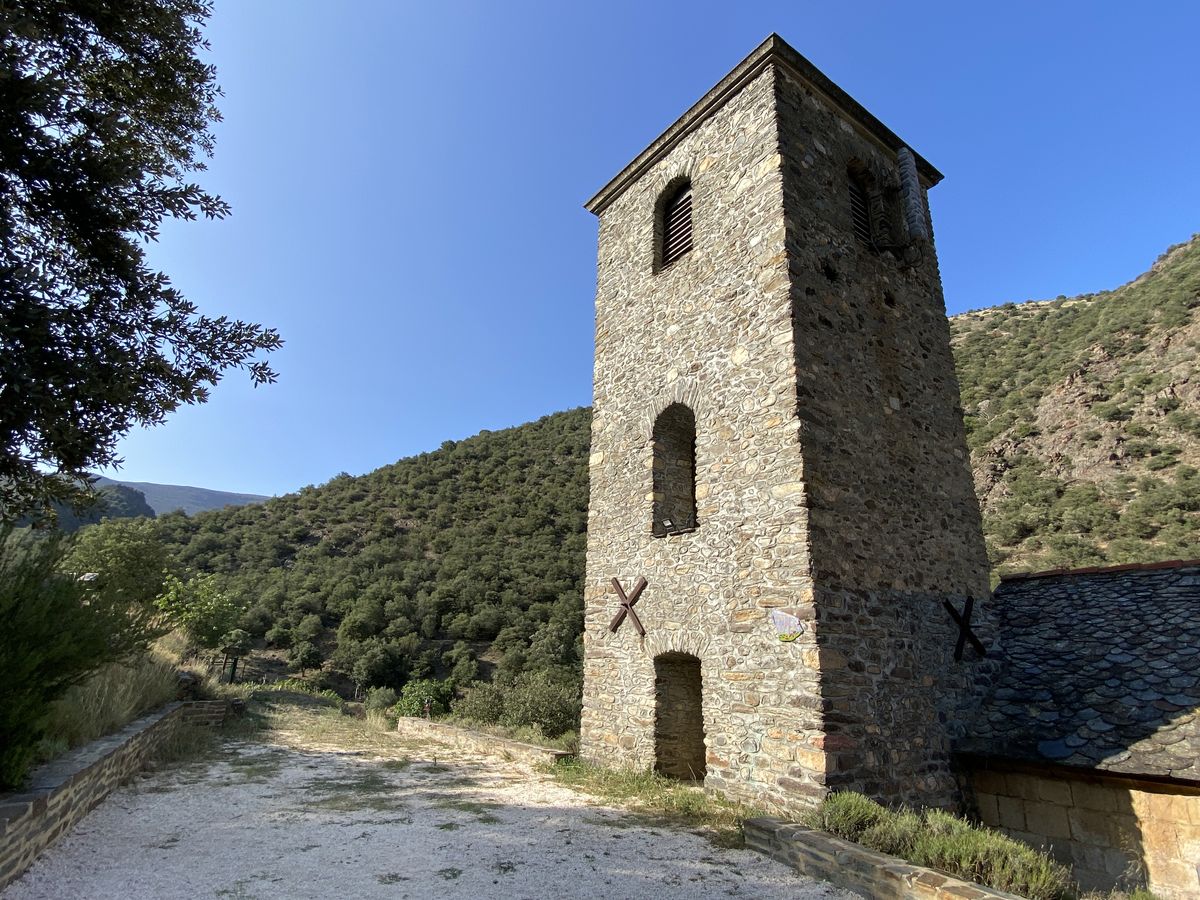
(778, 452)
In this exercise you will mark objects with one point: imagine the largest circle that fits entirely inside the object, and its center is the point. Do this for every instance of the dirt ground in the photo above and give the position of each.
(323, 808)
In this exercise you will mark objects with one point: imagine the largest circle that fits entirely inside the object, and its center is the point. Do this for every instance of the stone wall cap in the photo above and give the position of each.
(774, 50)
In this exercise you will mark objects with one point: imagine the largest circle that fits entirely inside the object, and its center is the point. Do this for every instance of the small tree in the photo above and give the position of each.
(200, 608)
(304, 655)
(424, 696)
(125, 555)
(57, 631)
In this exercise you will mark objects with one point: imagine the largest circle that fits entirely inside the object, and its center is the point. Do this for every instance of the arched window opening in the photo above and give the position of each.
(675, 216)
(679, 750)
(674, 471)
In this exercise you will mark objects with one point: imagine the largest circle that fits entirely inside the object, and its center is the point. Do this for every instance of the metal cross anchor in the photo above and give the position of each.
(627, 606)
(964, 628)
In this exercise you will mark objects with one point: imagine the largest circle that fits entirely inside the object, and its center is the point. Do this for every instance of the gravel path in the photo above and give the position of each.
(294, 819)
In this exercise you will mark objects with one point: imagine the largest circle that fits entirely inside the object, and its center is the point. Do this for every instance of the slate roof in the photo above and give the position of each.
(1099, 669)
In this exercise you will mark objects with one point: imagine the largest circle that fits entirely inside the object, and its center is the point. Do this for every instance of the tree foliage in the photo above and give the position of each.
(199, 606)
(105, 115)
(126, 556)
(57, 631)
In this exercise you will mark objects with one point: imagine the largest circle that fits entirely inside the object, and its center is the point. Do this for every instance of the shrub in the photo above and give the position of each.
(57, 631)
(483, 703)
(379, 699)
(416, 693)
(536, 700)
(304, 655)
(847, 815)
(942, 841)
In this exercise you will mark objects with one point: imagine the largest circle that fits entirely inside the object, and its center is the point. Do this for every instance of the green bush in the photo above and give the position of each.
(482, 703)
(199, 606)
(57, 632)
(537, 699)
(379, 699)
(415, 694)
(304, 655)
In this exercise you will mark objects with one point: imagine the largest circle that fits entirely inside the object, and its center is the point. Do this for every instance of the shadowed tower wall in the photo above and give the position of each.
(830, 469)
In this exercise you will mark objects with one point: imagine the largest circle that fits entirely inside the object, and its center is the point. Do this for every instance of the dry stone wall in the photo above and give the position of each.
(893, 523)
(849, 865)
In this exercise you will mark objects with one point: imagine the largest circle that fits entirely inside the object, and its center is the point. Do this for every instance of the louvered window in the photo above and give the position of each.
(860, 212)
(677, 225)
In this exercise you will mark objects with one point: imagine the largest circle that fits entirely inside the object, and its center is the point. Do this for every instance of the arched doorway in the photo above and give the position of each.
(678, 717)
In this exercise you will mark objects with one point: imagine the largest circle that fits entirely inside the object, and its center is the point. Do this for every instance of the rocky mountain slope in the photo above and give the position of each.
(1083, 419)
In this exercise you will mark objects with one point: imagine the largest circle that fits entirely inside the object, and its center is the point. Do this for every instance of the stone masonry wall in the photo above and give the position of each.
(893, 523)
(712, 331)
(1110, 831)
(831, 469)
(62, 792)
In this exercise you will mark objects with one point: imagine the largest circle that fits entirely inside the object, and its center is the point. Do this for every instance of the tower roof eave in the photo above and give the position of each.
(773, 50)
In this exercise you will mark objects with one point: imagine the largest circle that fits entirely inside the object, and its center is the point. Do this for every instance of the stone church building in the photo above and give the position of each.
(787, 590)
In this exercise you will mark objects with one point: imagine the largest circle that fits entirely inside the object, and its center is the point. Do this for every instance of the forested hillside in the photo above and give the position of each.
(112, 501)
(1083, 418)
(430, 566)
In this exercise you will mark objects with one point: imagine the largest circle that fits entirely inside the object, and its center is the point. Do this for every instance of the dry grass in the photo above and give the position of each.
(312, 721)
(662, 800)
(942, 841)
(107, 701)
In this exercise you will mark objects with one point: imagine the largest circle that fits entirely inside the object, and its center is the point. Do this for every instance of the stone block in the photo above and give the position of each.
(1174, 877)
(1011, 813)
(1047, 820)
(987, 781)
(1055, 790)
(989, 812)
(1102, 829)
(1094, 796)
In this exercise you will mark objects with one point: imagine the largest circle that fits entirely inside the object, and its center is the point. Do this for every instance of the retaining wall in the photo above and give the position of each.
(62, 792)
(849, 865)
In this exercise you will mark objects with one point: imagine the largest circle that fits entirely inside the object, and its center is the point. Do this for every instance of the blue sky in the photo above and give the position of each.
(407, 183)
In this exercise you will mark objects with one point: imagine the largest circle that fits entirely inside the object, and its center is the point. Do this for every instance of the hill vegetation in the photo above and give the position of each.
(1083, 419)
(452, 564)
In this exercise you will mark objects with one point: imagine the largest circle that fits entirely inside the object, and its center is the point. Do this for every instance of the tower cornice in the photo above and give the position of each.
(773, 51)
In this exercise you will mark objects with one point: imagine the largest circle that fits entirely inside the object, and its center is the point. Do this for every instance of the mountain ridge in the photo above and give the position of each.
(165, 498)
